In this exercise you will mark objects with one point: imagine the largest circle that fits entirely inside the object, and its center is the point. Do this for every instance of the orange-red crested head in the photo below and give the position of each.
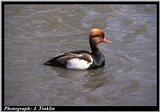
(98, 35)
(96, 32)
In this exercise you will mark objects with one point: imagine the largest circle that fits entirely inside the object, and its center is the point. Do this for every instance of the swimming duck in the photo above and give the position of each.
(82, 59)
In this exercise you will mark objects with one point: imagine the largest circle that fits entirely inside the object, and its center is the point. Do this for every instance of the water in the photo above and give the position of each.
(37, 33)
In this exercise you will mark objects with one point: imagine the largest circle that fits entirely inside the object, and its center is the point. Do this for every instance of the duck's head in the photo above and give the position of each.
(98, 36)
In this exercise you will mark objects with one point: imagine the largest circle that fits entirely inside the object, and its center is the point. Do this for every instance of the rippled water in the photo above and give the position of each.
(36, 33)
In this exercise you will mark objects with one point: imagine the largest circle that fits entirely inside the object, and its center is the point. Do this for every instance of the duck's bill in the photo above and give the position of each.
(106, 40)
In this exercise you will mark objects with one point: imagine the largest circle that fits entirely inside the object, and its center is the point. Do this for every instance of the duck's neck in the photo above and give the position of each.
(93, 46)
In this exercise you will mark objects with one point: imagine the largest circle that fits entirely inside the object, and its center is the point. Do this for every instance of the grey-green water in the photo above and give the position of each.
(36, 33)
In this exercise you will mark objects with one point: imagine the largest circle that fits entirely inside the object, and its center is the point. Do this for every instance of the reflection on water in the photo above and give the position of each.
(36, 33)
(95, 79)
(91, 79)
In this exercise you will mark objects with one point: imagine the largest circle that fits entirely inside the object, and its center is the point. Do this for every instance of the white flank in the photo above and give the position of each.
(77, 63)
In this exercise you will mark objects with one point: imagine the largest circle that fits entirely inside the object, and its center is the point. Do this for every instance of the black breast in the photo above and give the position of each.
(98, 61)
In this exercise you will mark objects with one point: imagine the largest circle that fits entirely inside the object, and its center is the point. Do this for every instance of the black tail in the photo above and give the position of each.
(54, 62)
(47, 63)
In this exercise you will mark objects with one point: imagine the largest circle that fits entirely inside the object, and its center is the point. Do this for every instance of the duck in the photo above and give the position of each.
(82, 59)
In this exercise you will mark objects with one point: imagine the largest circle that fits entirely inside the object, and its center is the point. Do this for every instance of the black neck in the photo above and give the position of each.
(94, 47)
(97, 56)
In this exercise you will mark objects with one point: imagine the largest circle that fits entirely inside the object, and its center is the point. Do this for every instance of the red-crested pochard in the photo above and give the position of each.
(82, 59)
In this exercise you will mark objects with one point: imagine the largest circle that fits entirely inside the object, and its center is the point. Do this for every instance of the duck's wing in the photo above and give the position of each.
(68, 56)
(61, 60)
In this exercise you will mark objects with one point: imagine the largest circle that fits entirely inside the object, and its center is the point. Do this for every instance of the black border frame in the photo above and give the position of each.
(82, 108)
